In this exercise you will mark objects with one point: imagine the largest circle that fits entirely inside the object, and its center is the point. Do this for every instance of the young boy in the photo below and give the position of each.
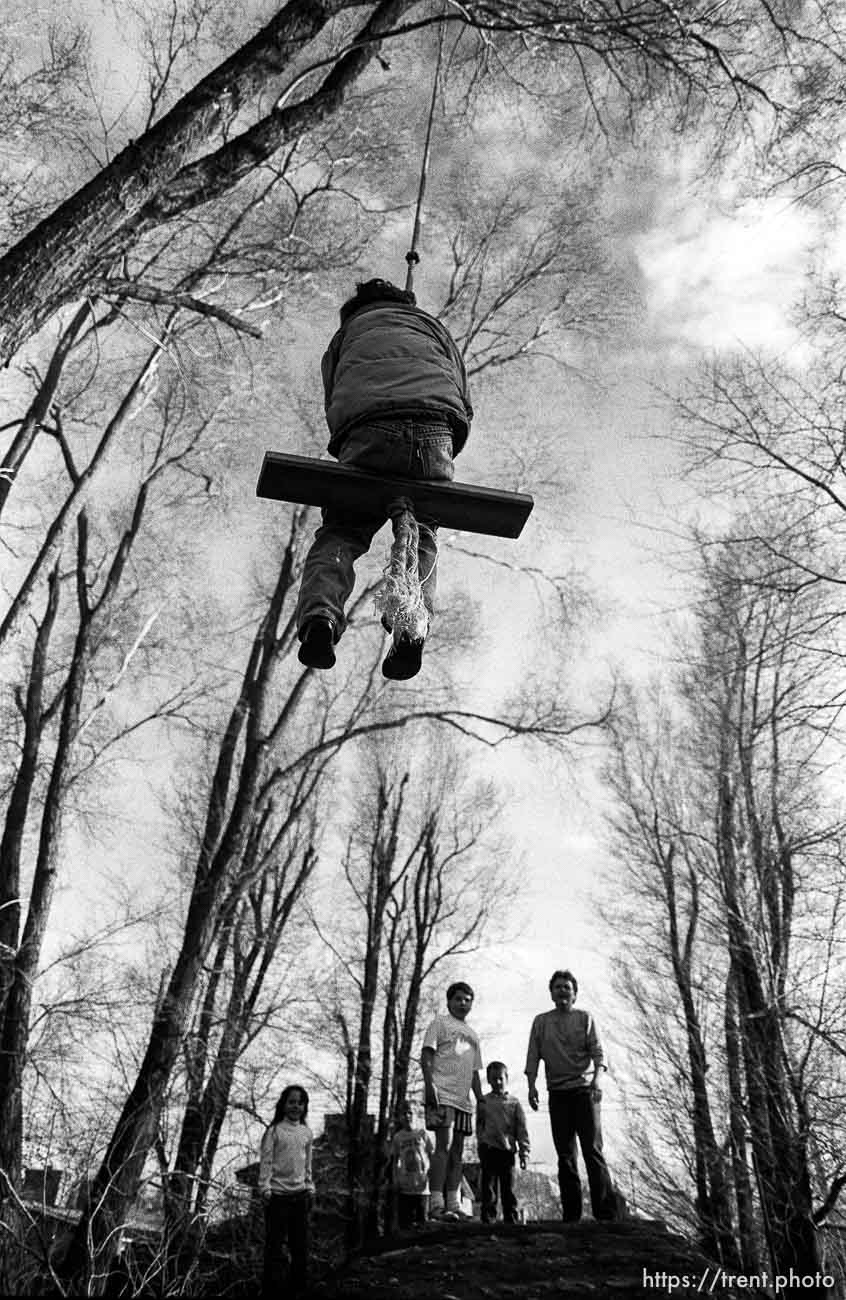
(501, 1131)
(410, 1155)
(451, 1060)
(397, 404)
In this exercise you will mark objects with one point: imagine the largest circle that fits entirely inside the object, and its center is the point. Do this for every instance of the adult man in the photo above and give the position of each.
(397, 403)
(567, 1042)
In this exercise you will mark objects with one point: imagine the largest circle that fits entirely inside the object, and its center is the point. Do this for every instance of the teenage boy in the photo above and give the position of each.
(501, 1132)
(567, 1042)
(451, 1060)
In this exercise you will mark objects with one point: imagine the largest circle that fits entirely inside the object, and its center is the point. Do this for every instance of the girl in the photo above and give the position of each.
(286, 1187)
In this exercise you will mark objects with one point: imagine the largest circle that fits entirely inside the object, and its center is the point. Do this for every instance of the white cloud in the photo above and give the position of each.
(721, 281)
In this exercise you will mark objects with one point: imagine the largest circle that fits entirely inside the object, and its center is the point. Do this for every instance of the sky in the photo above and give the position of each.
(711, 282)
(711, 279)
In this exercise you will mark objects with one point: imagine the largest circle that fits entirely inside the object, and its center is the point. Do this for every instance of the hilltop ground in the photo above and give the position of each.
(535, 1261)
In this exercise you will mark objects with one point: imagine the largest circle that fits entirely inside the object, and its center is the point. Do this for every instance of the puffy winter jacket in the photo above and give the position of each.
(392, 359)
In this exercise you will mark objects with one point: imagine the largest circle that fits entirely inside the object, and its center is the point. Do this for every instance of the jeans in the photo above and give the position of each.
(497, 1174)
(574, 1113)
(285, 1218)
(401, 448)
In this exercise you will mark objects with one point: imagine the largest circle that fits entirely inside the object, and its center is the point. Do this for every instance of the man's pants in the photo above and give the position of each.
(497, 1174)
(285, 1217)
(400, 448)
(573, 1113)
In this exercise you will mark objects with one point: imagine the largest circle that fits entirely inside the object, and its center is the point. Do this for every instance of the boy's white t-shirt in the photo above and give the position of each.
(457, 1056)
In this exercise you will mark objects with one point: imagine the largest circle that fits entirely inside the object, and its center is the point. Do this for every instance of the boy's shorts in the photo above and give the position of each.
(449, 1116)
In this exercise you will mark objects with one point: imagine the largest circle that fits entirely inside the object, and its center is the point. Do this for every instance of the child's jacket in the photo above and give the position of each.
(410, 1152)
(392, 360)
(502, 1124)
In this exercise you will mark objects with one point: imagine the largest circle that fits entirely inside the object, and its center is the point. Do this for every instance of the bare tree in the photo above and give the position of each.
(735, 786)
(221, 129)
(421, 887)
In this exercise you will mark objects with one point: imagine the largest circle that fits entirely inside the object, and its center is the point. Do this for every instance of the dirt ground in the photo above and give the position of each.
(535, 1261)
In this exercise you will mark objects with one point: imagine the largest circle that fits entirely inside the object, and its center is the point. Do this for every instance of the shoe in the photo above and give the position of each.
(317, 641)
(403, 660)
(386, 624)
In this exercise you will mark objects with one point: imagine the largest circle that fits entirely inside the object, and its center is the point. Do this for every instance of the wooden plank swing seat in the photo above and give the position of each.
(464, 506)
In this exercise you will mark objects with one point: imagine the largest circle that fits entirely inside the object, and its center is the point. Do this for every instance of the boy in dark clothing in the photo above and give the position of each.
(397, 403)
(501, 1131)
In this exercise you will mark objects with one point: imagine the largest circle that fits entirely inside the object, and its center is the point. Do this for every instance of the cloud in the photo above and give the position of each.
(720, 281)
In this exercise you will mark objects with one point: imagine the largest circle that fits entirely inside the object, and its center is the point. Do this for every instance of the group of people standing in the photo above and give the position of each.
(427, 1162)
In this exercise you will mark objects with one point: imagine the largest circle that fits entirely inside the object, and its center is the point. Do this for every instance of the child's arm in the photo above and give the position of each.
(476, 1088)
(265, 1163)
(427, 1064)
(309, 1180)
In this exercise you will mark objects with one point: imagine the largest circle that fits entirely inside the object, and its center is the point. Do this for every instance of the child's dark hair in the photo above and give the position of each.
(279, 1113)
(496, 1065)
(367, 291)
(564, 975)
(459, 987)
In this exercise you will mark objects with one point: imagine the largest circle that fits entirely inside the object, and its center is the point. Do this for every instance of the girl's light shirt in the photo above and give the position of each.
(285, 1158)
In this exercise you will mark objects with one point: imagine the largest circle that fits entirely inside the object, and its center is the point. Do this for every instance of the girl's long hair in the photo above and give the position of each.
(279, 1113)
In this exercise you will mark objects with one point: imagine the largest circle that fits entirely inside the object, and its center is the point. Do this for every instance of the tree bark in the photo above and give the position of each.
(158, 177)
(118, 1179)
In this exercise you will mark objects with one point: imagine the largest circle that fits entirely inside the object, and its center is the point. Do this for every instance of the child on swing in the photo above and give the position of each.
(397, 403)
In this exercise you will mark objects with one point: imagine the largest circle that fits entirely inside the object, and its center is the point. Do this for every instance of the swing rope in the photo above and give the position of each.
(399, 596)
(412, 257)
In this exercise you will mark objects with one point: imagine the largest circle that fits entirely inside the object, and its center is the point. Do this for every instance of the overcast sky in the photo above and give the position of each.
(711, 279)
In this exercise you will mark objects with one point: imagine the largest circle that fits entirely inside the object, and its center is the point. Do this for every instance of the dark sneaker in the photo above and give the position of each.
(403, 660)
(317, 641)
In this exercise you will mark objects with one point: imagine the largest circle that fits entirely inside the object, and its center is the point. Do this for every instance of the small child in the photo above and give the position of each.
(501, 1129)
(411, 1151)
(450, 1059)
(287, 1188)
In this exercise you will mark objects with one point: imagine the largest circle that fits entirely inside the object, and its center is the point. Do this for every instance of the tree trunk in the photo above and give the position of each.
(750, 1260)
(116, 1184)
(159, 176)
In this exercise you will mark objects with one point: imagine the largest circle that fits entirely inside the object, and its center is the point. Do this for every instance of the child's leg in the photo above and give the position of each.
(328, 574)
(454, 1171)
(438, 1167)
(506, 1188)
(488, 1186)
(274, 1248)
(298, 1238)
(427, 563)
(405, 1210)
